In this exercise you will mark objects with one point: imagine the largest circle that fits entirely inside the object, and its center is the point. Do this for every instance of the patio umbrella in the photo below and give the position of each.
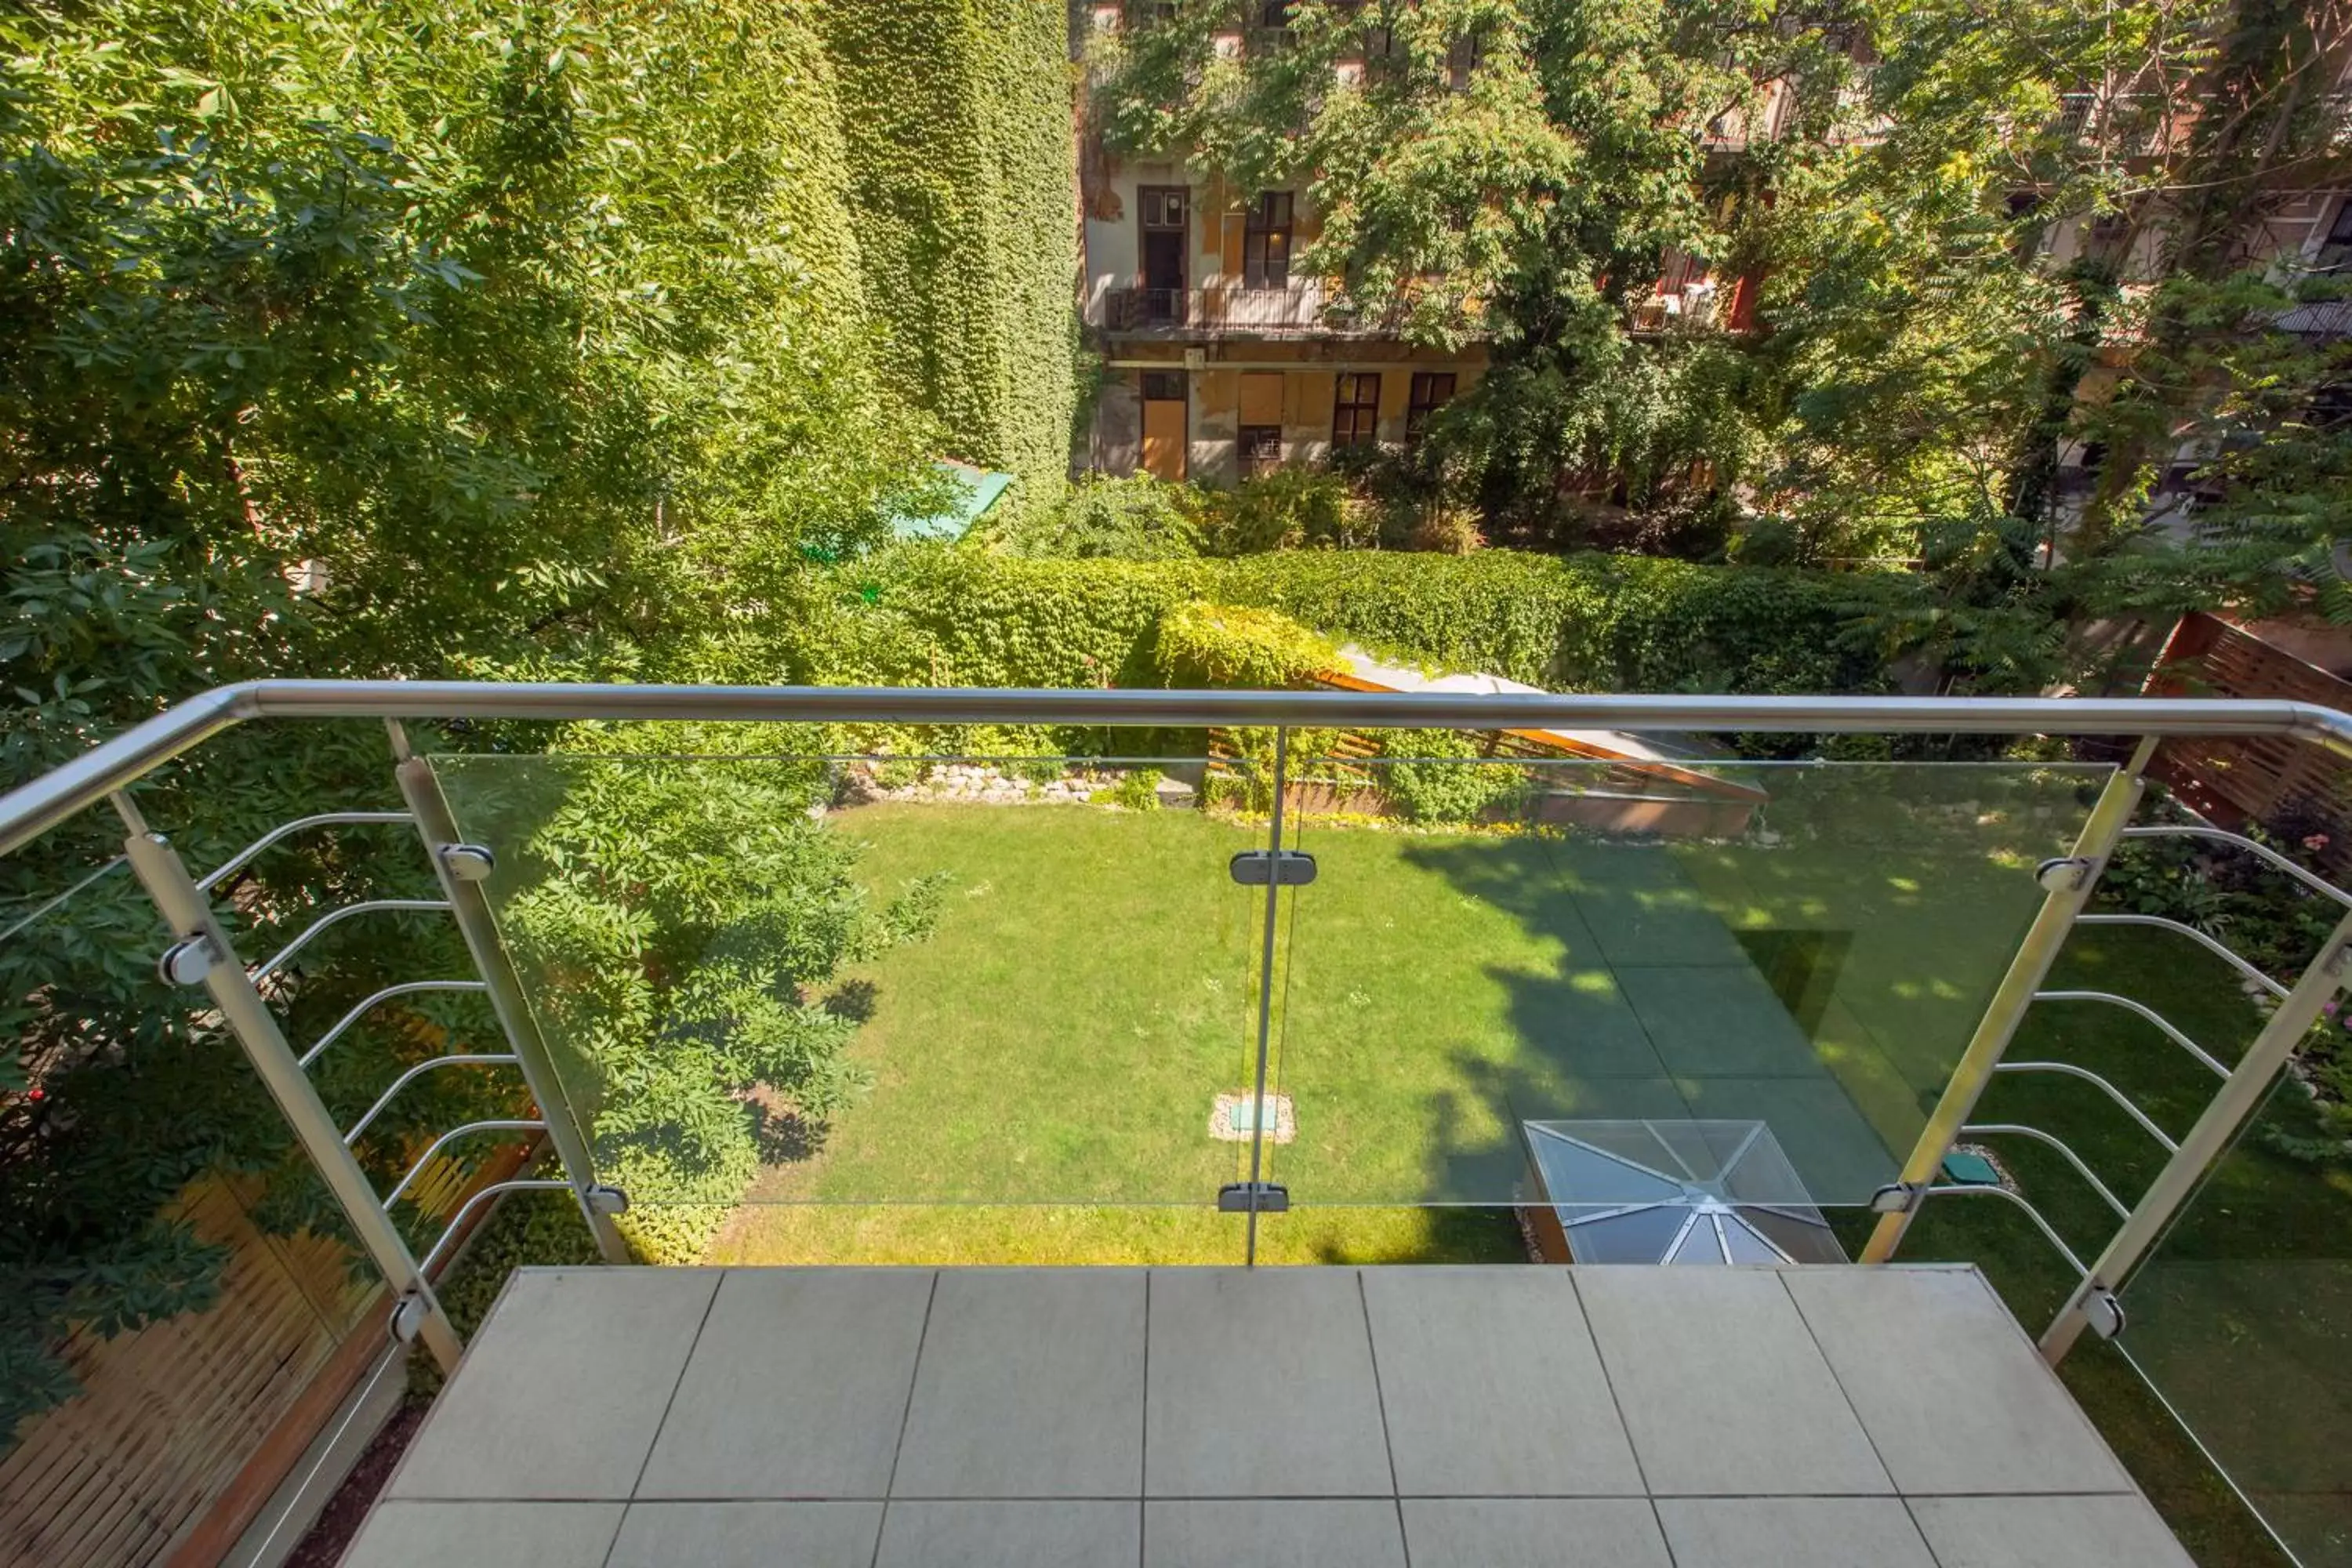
(1676, 1192)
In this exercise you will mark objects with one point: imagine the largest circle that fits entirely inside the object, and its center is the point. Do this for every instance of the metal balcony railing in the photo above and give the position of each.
(1832, 826)
(1299, 307)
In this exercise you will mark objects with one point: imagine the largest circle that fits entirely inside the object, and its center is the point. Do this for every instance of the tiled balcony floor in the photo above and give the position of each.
(1281, 1418)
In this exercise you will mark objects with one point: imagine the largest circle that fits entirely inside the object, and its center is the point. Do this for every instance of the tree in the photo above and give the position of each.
(427, 338)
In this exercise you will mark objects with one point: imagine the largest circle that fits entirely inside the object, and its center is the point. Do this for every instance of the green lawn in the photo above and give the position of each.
(1092, 988)
(1043, 1069)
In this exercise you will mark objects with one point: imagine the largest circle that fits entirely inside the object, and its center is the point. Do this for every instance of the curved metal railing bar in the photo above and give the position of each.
(2123, 1100)
(2031, 1213)
(2150, 1013)
(2209, 944)
(358, 1009)
(372, 905)
(2316, 883)
(35, 806)
(2000, 1129)
(467, 1129)
(457, 1223)
(499, 1059)
(243, 857)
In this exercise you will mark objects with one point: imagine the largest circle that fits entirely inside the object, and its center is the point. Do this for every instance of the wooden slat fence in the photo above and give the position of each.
(2233, 781)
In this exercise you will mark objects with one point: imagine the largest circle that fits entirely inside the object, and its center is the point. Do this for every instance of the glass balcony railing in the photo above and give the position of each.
(1250, 977)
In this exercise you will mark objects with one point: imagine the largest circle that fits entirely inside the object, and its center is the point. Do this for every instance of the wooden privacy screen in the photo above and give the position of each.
(2233, 781)
(183, 1429)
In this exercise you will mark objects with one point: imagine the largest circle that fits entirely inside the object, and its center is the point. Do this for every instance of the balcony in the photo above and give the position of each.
(1359, 1418)
(1302, 308)
(1252, 978)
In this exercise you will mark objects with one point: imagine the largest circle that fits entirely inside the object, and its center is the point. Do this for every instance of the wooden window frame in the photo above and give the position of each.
(1253, 462)
(1267, 242)
(1423, 398)
(1355, 421)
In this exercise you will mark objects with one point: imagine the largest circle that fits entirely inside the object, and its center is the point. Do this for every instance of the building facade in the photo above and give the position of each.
(1220, 356)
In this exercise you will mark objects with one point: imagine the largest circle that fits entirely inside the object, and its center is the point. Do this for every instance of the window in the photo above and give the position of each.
(1274, 14)
(1432, 390)
(1358, 410)
(1261, 448)
(2335, 250)
(1163, 206)
(1163, 387)
(1265, 242)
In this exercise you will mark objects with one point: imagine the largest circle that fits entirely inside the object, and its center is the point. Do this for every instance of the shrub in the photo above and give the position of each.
(1138, 518)
(1286, 509)
(1434, 786)
(1223, 645)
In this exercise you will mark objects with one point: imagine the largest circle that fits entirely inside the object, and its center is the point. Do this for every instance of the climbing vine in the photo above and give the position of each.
(957, 114)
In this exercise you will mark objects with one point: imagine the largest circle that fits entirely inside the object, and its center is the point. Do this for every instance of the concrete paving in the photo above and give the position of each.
(1276, 1419)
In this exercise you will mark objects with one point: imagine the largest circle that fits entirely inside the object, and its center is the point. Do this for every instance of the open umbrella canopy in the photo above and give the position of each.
(1676, 1192)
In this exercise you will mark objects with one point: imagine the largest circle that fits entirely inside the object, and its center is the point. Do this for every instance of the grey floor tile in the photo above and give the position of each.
(1492, 1387)
(797, 1388)
(2047, 1532)
(1268, 1533)
(1261, 1386)
(1722, 1389)
(748, 1535)
(511, 1534)
(562, 1392)
(1009, 1535)
(1792, 1533)
(1948, 1385)
(1031, 1384)
(1533, 1532)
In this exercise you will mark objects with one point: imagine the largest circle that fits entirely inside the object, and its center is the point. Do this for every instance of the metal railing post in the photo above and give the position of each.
(471, 908)
(199, 935)
(2101, 833)
(1259, 1114)
(2249, 1085)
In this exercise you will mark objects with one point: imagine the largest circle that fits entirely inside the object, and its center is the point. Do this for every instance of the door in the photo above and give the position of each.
(1162, 250)
(1164, 425)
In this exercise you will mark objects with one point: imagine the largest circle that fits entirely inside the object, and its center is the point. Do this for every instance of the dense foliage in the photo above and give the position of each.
(1573, 622)
(957, 115)
(1877, 183)
(426, 338)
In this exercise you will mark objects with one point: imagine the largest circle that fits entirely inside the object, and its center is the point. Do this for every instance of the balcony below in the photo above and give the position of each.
(1631, 1417)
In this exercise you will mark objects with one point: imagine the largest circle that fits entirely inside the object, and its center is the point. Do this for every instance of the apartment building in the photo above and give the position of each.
(1222, 356)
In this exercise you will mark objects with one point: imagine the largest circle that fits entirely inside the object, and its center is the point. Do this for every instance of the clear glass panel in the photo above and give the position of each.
(2241, 1320)
(1763, 973)
(780, 985)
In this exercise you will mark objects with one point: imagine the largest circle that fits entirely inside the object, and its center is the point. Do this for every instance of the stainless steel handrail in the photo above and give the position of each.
(2262, 852)
(284, 830)
(2213, 945)
(2144, 1011)
(39, 805)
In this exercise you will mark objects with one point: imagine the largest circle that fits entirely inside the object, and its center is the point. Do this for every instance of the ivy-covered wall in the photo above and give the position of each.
(1568, 623)
(963, 169)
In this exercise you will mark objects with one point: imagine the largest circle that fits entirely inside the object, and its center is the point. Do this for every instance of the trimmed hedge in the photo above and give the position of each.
(1580, 623)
